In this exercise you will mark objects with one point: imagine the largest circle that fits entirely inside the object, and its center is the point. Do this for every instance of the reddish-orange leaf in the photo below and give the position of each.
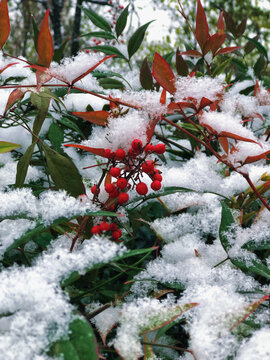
(256, 88)
(13, 97)
(227, 50)
(249, 309)
(204, 102)
(192, 53)
(221, 24)
(151, 128)
(252, 159)
(96, 117)
(202, 29)
(163, 74)
(7, 66)
(4, 23)
(45, 43)
(163, 97)
(216, 42)
(108, 179)
(96, 151)
(91, 69)
(213, 106)
(236, 137)
(224, 143)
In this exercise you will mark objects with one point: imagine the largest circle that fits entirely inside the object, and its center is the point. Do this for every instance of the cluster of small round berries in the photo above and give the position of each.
(133, 163)
(111, 228)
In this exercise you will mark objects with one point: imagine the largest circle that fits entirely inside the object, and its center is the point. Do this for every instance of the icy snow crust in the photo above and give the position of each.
(35, 311)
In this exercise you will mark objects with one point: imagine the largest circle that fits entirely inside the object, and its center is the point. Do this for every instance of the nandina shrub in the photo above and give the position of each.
(134, 222)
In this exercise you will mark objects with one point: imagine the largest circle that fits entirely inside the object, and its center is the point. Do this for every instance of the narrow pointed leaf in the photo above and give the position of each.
(7, 146)
(226, 224)
(109, 83)
(4, 23)
(251, 159)
(45, 43)
(202, 29)
(227, 50)
(97, 20)
(192, 53)
(258, 46)
(221, 24)
(216, 42)
(236, 137)
(224, 143)
(252, 266)
(146, 76)
(64, 173)
(42, 105)
(136, 39)
(96, 117)
(230, 23)
(110, 50)
(151, 128)
(22, 166)
(204, 102)
(35, 31)
(96, 151)
(181, 65)
(14, 96)
(121, 22)
(241, 28)
(59, 53)
(99, 34)
(163, 74)
(7, 66)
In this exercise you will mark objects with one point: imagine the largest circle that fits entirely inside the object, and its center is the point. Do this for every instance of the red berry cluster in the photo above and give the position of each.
(111, 228)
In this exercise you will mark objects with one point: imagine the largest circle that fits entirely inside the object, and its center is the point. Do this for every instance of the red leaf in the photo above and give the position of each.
(163, 97)
(256, 88)
(13, 97)
(91, 69)
(100, 152)
(213, 106)
(249, 309)
(216, 42)
(204, 102)
(192, 53)
(7, 66)
(45, 43)
(251, 159)
(151, 128)
(96, 117)
(227, 50)
(108, 179)
(4, 23)
(221, 24)
(224, 143)
(202, 29)
(163, 74)
(236, 137)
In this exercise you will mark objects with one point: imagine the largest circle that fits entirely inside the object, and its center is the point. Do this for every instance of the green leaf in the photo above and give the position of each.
(136, 39)
(259, 66)
(109, 83)
(59, 53)
(71, 125)
(64, 173)
(42, 104)
(23, 164)
(221, 67)
(109, 50)
(252, 266)
(227, 221)
(263, 244)
(101, 74)
(258, 46)
(7, 146)
(56, 136)
(239, 65)
(146, 78)
(83, 340)
(97, 20)
(63, 349)
(99, 34)
(121, 22)
(35, 31)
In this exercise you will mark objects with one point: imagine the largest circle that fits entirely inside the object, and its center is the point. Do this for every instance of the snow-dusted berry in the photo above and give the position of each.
(115, 171)
(156, 185)
(123, 198)
(142, 188)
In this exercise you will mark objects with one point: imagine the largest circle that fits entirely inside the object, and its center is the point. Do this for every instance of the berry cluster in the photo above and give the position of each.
(111, 229)
(128, 167)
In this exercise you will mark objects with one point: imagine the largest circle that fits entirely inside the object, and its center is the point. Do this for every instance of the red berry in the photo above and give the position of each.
(112, 207)
(110, 188)
(156, 185)
(109, 153)
(113, 227)
(93, 189)
(148, 166)
(120, 154)
(87, 51)
(114, 194)
(136, 145)
(158, 177)
(104, 226)
(115, 171)
(123, 198)
(159, 148)
(116, 234)
(121, 183)
(95, 229)
(142, 188)
(132, 153)
(149, 148)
